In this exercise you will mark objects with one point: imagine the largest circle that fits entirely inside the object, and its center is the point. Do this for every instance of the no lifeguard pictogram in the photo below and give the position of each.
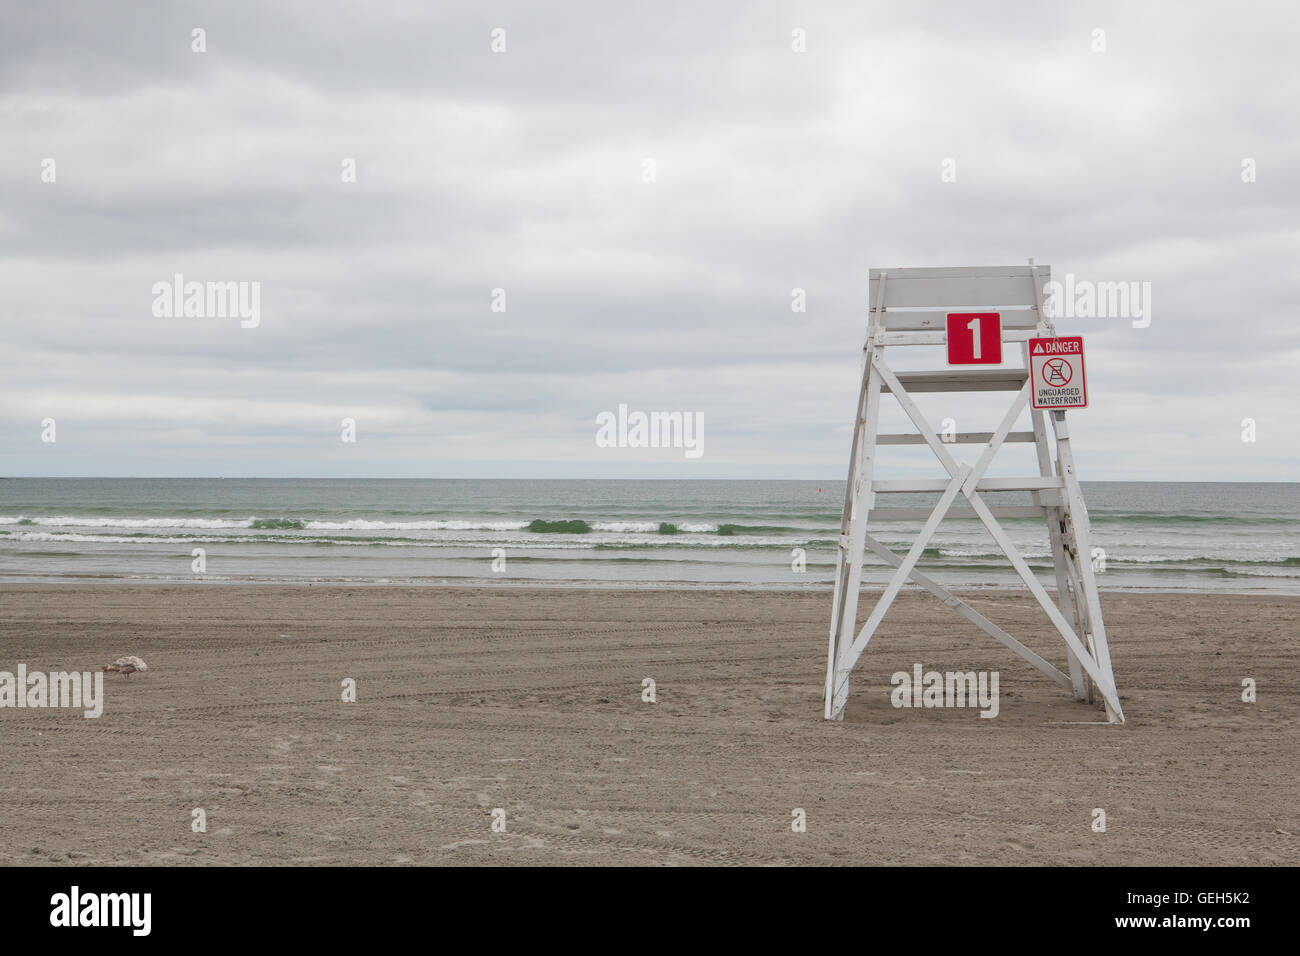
(1056, 372)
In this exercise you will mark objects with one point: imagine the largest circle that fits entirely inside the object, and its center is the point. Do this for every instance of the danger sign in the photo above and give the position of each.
(1056, 372)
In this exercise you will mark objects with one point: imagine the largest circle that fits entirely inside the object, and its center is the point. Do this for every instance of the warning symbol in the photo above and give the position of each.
(1056, 372)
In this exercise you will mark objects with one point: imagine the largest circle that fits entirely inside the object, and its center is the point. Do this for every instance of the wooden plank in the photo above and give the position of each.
(961, 272)
(1083, 551)
(848, 571)
(937, 320)
(961, 438)
(965, 291)
(1080, 608)
(911, 514)
(964, 380)
(941, 338)
(859, 499)
(900, 485)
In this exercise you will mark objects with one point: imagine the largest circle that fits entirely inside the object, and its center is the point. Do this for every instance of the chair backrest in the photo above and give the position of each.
(919, 300)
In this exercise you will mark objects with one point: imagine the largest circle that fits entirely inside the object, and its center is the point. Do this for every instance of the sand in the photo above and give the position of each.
(530, 701)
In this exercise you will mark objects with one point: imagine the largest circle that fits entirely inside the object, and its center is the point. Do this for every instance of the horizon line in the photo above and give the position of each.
(1134, 481)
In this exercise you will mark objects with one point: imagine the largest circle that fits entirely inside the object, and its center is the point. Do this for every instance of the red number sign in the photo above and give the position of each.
(974, 338)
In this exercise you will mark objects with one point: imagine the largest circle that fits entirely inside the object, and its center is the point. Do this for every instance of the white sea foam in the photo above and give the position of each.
(77, 521)
(633, 526)
(352, 524)
(118, 539)
(361, 524)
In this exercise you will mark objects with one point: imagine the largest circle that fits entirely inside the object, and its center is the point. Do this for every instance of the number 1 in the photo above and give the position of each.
(974, 326)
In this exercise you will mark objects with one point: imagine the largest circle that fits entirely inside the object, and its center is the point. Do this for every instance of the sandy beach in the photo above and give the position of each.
(530, 701)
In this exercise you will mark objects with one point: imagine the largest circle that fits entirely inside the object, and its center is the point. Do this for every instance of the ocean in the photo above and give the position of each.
(1207, 537)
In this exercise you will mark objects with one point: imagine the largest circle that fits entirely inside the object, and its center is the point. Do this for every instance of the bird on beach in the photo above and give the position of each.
(127, 665)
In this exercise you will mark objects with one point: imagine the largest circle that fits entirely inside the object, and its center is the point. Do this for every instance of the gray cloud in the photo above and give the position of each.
(523, 171)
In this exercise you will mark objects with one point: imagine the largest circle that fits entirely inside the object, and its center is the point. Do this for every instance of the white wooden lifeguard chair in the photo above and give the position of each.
(911, 307)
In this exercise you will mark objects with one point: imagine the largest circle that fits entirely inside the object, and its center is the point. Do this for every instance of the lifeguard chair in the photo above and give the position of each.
(912, 307)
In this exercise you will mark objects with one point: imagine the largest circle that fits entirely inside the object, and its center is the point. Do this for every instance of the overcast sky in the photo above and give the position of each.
(526, 170)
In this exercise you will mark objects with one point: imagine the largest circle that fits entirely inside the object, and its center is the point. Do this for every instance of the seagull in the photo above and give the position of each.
(127, 665)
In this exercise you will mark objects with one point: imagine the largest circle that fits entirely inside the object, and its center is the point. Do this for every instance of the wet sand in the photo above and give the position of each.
(530, 701)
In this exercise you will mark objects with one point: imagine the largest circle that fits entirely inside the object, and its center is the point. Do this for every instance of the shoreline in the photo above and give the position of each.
(72, 582)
